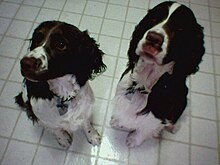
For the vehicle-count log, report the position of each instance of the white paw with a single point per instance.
(134, 139)
(64, 139)
(172, 128)
(169, 67)
(114, 123)
(94, 138)
(157, 133)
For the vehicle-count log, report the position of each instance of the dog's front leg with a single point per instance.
(92, 135)
(63, 138)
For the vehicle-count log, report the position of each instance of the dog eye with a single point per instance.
(61, 45)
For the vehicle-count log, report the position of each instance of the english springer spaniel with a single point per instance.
(166, 47)
(56, 91)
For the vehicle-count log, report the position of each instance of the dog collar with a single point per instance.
(132, 89)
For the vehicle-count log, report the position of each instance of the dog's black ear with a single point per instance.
(93, 56)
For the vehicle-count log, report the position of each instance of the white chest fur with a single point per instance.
(78, 108)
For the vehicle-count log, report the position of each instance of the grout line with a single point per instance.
(10, 138)
(215, 85)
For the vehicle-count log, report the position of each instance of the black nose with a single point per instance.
(30, 63)
(154, 38)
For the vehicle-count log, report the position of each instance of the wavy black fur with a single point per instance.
(168, 97)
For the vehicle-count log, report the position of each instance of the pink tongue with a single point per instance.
(150, 50)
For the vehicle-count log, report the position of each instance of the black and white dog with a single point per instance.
(166, 47)
(56, 91)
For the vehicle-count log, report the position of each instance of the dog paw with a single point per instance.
(133, 139)
(64, 139)
(94, 138)
(114, 123)
(169, 67)
(172, 128)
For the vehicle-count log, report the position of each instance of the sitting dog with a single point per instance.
(166, 47)
(56, 91)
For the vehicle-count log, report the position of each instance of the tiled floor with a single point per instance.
(111, 22)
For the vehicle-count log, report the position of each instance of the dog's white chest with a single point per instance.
(75, 112)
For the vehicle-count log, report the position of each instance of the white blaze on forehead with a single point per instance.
(39, 53)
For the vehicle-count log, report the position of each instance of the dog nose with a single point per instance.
(154, 39)
(30, 63)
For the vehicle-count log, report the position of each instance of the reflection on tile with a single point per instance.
(113, 145)
(79, 159)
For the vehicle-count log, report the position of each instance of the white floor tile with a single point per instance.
(99, 111)
(92, 24)
(19, 29)
(70, 18)
(121, 2)
(79, 159)
(113, 145)
(19, 153)
(203, 83)
(216, 47)
(200, 11)
(8, 9)
(95, 8)
(54, 4)
(4, 23)
(173, 153)
(116, 12)
(146, 153)
(81, 145)
(10, 47)
(203, 106)
(217, 66)
(25, 130)
(108, 162)
(215, 29)
(5, 66)
(49, 156)
(109, 45)
(207, 64)
(75, 6)
(47, 14)
(139, 3)
(109, 28)
(135, 15)
(203, 156)
(110, 61)
(27, 13)
(3, 144)
(101, 86)
(10, 91)
(204, 133)
(34, 2)
(8, 119)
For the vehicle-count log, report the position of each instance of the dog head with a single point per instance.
(57, 49)
(169, 32)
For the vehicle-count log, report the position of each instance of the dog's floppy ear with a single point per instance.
(92, 56)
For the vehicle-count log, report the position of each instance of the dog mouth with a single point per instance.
(35, 76)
